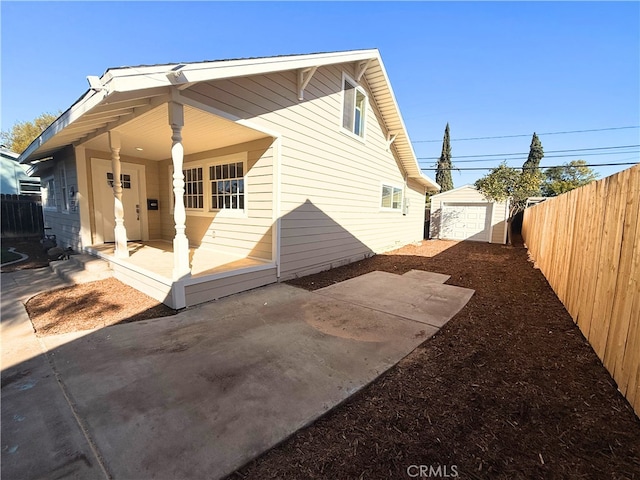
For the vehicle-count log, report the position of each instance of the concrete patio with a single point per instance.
(199, 394)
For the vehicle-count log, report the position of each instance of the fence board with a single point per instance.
(21, 216)
(586, 244)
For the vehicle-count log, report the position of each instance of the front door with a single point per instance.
(102, 175)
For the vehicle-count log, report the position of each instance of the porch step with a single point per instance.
(81, 268)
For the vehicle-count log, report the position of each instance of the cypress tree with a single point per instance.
(443, 169)
(531, 166)
(535, 155)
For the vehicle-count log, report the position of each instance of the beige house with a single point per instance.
(464, 214)
(201, 180)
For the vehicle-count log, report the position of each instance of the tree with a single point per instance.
(562, 179)
(23, 133)
(507, 183)
(444, 165)
(532, 164)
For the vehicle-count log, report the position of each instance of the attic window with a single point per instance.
(354, 107)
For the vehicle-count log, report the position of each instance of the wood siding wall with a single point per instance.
(330, 181)
(65, 224)
(248, 235)
(586, 243)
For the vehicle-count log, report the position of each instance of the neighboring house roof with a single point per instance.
(14, 178)
(8, 154)
(91, 113)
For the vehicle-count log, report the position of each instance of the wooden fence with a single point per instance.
(586, 243)
(21, 216)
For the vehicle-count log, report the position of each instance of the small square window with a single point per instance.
(391, 197)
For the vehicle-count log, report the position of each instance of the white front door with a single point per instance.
(466, 221)
(131, 178)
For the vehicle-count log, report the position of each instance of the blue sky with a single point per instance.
(490, 69)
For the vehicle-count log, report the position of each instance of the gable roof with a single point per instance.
(455, 190)
(72, 126)
(459, 190)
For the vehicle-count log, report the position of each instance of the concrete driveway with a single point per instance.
(199, 394)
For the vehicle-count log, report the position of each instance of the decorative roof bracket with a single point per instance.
(177, 78)
(304, 77)
(361, 67)
(390, 139)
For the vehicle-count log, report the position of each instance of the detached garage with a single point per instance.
(464, 214)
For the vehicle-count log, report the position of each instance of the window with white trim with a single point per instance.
(227, 186)
(391, 198)
(49, 193)
(216, 185)
(64, 191)
(353, 107)
(193, 188)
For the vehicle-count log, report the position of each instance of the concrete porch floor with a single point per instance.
(157, 257)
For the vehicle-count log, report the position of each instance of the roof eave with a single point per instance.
(89, 100)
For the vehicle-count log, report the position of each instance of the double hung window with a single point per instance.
(353, 107)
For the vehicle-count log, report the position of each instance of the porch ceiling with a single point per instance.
(149, 134)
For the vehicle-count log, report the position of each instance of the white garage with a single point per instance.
(464, 214)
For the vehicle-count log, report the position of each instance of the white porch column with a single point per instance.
(120, 231)
(180, 241)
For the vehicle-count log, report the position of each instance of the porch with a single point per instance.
(157, 257)
(214, 274)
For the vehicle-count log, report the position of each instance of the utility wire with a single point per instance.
(529, 134)
(527, 153)
(534, 168)
(546, 156)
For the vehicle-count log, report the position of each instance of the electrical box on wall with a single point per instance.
(152, 204)
(405, 208)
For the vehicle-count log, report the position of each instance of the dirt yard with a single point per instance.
(508, 389)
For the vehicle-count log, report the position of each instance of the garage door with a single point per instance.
(466, 221)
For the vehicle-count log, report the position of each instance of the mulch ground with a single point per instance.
(508, 388)
(91, 305)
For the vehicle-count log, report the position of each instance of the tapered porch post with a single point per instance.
(120, 231)
(180, 241)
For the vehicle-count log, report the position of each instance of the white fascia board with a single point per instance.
(134, 78)
(428, 182)
(76, 111)
(412, 161)
(453, 190)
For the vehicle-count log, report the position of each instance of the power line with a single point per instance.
(533, 168)
(527, 153)
(529, 134)
(546, 156)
